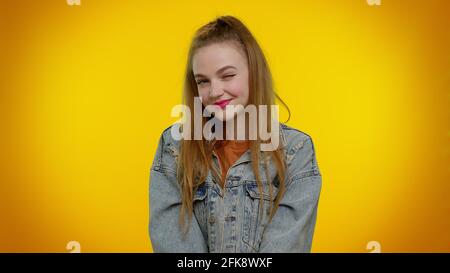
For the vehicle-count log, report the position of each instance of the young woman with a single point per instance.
(228, 194)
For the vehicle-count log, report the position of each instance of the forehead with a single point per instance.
(207, 60)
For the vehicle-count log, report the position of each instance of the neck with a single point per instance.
(231, 132)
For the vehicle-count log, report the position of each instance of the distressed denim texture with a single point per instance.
(228, 219)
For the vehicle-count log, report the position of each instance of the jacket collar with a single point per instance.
(246, 157)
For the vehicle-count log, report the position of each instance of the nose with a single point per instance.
(216, 89)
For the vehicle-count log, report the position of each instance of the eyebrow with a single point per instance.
(217, 72)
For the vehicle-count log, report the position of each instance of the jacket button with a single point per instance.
(212, 220)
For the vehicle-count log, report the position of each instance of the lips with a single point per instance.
(222, 103)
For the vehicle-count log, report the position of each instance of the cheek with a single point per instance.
(239, 88)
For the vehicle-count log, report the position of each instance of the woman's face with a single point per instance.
(221, 73)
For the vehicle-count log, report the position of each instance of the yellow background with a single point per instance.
(85, 92)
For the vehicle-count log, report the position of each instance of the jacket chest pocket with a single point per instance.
(256, 212)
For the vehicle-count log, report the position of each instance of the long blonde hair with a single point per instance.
(194, 161)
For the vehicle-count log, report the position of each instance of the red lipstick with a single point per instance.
(222, 103)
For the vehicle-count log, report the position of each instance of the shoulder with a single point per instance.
(293, 138)
(168, 138)
(168, 133)
(167, 151)
(299, 151)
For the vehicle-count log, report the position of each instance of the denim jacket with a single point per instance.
(228, 219)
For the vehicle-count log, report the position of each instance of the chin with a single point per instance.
(221, 117)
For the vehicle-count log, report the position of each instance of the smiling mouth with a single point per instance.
(222, 103)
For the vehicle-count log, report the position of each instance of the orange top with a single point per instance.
(229, 151)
